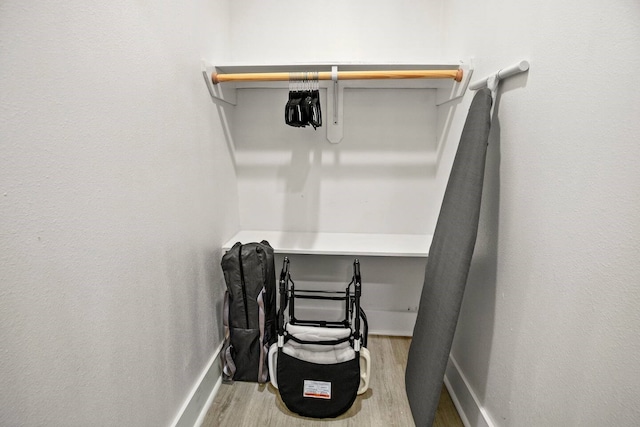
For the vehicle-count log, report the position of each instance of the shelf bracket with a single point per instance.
(458, 89)
(216, 91)
(335, 94)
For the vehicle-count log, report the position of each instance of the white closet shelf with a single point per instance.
(447, 89)
(354, 244)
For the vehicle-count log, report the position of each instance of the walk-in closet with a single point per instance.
(448, 191)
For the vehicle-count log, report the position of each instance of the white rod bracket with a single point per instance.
(215, 92)
(334, 79)
(457, 91)
(334, 99)
(502, 74)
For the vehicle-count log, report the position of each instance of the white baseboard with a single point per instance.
(201, 397)
(465, 400)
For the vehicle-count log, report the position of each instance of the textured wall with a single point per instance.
(290, 31)
(116, 192)
(548, 335)
(378, 179)
(381, 177)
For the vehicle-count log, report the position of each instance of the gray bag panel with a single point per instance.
(448, 265)
(259, 272)
(245, 344)
(248, 271)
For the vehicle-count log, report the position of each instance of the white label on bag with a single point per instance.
(317, 389)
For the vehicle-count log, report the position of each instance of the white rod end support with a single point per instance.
(520, 67)
(334, 96)
(216, 93)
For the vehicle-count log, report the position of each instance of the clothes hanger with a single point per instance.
(303, 107)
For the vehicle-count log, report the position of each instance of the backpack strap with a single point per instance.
(229, 367)
(263, 369)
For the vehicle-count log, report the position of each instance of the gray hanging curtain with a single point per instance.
(448, 265)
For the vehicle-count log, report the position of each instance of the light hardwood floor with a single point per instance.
(384, 404)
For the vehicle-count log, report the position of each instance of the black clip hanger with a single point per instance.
(303, 106)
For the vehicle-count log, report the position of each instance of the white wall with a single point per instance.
(548, 334)
(295, 31)
(116, 193)
(381, 178)
(378, 179)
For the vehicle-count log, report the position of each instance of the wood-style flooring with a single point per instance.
(244, 404)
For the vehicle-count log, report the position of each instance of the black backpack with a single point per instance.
(249, 311)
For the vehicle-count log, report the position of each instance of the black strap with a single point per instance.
(244, 287)
(326, 342)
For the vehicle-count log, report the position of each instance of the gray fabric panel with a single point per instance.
(448, 265)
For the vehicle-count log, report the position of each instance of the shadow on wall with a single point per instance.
(367, 183)
(302, 187)
(473, 347)
(478, 308)
(481, 291)
(444, 128)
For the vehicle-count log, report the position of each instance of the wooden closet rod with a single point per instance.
(342, 75)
